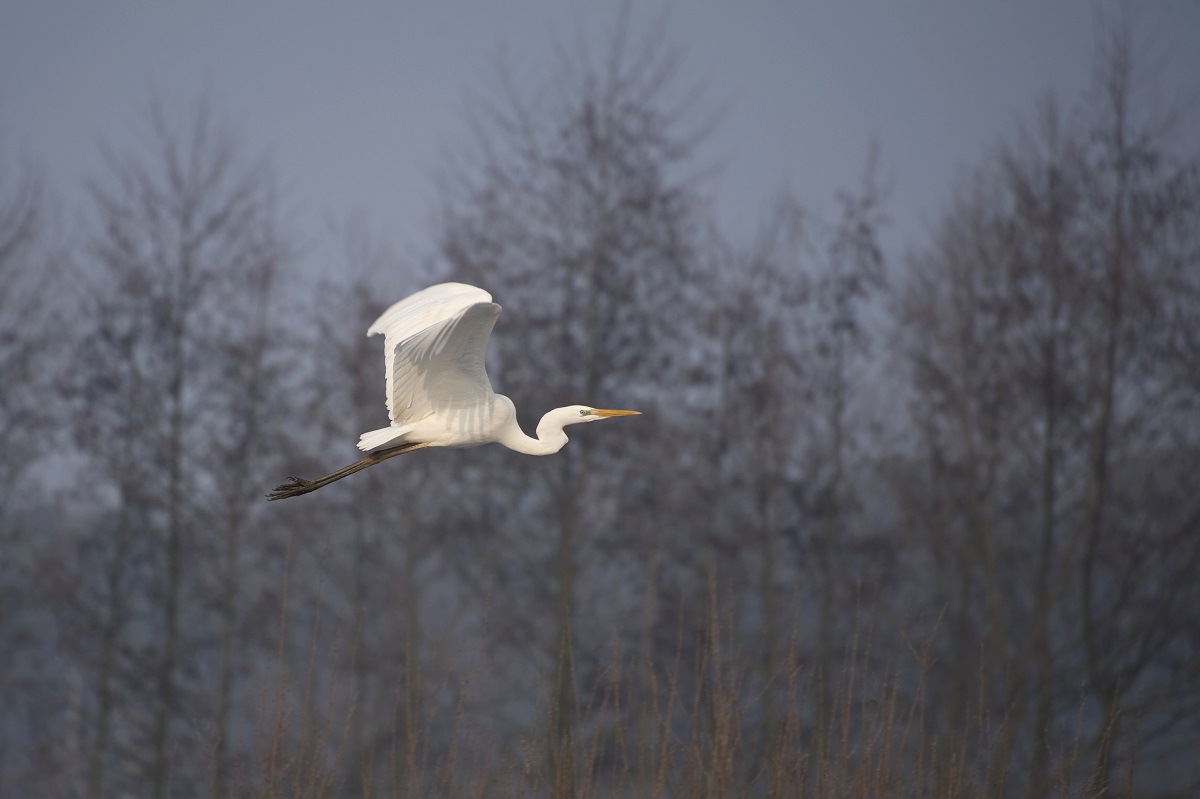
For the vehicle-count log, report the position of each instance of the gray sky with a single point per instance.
(356, 101)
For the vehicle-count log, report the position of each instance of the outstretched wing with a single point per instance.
(410, 323)
(442, 369)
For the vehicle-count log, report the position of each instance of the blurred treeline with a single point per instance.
(928, 526)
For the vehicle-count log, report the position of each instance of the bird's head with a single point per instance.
(574, 414)
(551, 437)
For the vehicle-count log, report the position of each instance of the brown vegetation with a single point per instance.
(919, 529)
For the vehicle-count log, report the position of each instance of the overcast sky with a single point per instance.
(355, 101)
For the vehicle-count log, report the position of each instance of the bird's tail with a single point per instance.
(378, 438)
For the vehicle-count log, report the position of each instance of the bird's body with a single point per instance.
(438, 392)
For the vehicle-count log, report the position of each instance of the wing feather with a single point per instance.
(414, 316)
(441, 368)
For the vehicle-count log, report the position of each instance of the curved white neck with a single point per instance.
(550, 436)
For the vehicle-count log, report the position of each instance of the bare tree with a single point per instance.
(30, 358)
(794, 329)
(1145, 291)
(1034, 327)
(24, 273)
(172, 372)
(392, 524)
(577, 217)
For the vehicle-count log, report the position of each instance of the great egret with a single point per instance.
(438, 393)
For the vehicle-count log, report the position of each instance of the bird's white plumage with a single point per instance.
(414, 316)
(438, 392)
(441, 371)
(437, 387)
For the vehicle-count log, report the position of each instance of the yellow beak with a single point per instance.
(604, 412)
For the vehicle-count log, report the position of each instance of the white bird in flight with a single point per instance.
(438, 392)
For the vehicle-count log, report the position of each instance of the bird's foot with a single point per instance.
(294, 487)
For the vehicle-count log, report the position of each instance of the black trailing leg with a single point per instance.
(295, 486)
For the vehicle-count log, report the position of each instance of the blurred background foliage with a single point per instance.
(926, 526)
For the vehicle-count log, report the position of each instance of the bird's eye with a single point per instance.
(583, 412)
